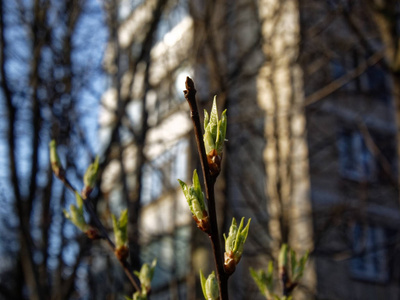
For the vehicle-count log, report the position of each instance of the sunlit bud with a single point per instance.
(209, 286)
(89, 179)
(234, 244)
(121, 237)
(76, 215)
(55, 161)
(146, 275)
(195, 198)
(214, 137)
(283, 259)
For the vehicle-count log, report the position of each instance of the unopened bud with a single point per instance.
(209, 286)
(283, 258)
(146, 275)
(76, 214)
(195, 198)
(55, 161)
(234, 245)
(121, 229)
(89, 179)
(214, 137)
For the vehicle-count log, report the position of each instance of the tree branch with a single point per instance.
(341, 81)
(104, 235)
(209, 182)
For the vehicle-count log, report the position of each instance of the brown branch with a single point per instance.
(341, 81)
(104, 235)
(209, 182)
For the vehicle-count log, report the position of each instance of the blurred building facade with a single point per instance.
(352, 144)
(311, 167)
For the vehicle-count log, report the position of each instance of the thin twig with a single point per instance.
(346, 78)
(209, 182)
(104, 235)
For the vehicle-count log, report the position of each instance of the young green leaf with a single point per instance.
(283, 257)
(270, 277)
(293, 260)
(260, 279)
(203, 284)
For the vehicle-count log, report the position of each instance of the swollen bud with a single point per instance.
(76, 215)
(214, 137)
(209, 286)
(283, 259)
(146, 275)
(234, 244)
(55, 161)
(89, 179)
(121, 236)
(195, 198)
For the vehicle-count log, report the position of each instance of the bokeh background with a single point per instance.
(312, 92)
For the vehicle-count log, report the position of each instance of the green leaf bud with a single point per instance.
(234, 244)
(120, 228)
(260, 279)
(146, 276)
(264, 280)
(89, 179)
(214, 137)
(209, 286)
(283, 258)
(55, 161)
(76, 214)
(195, 199)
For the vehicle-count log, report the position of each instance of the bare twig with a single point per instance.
(341, 81)
(104, 235)
(209, 182)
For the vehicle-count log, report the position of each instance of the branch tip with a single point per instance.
(189, 83)
(190, 91)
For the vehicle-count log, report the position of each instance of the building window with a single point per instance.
(374, 82)
(369, 261)
(356, 162)
(160, 175)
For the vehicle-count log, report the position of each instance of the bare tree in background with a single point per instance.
(277, 71)
(43, 85)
